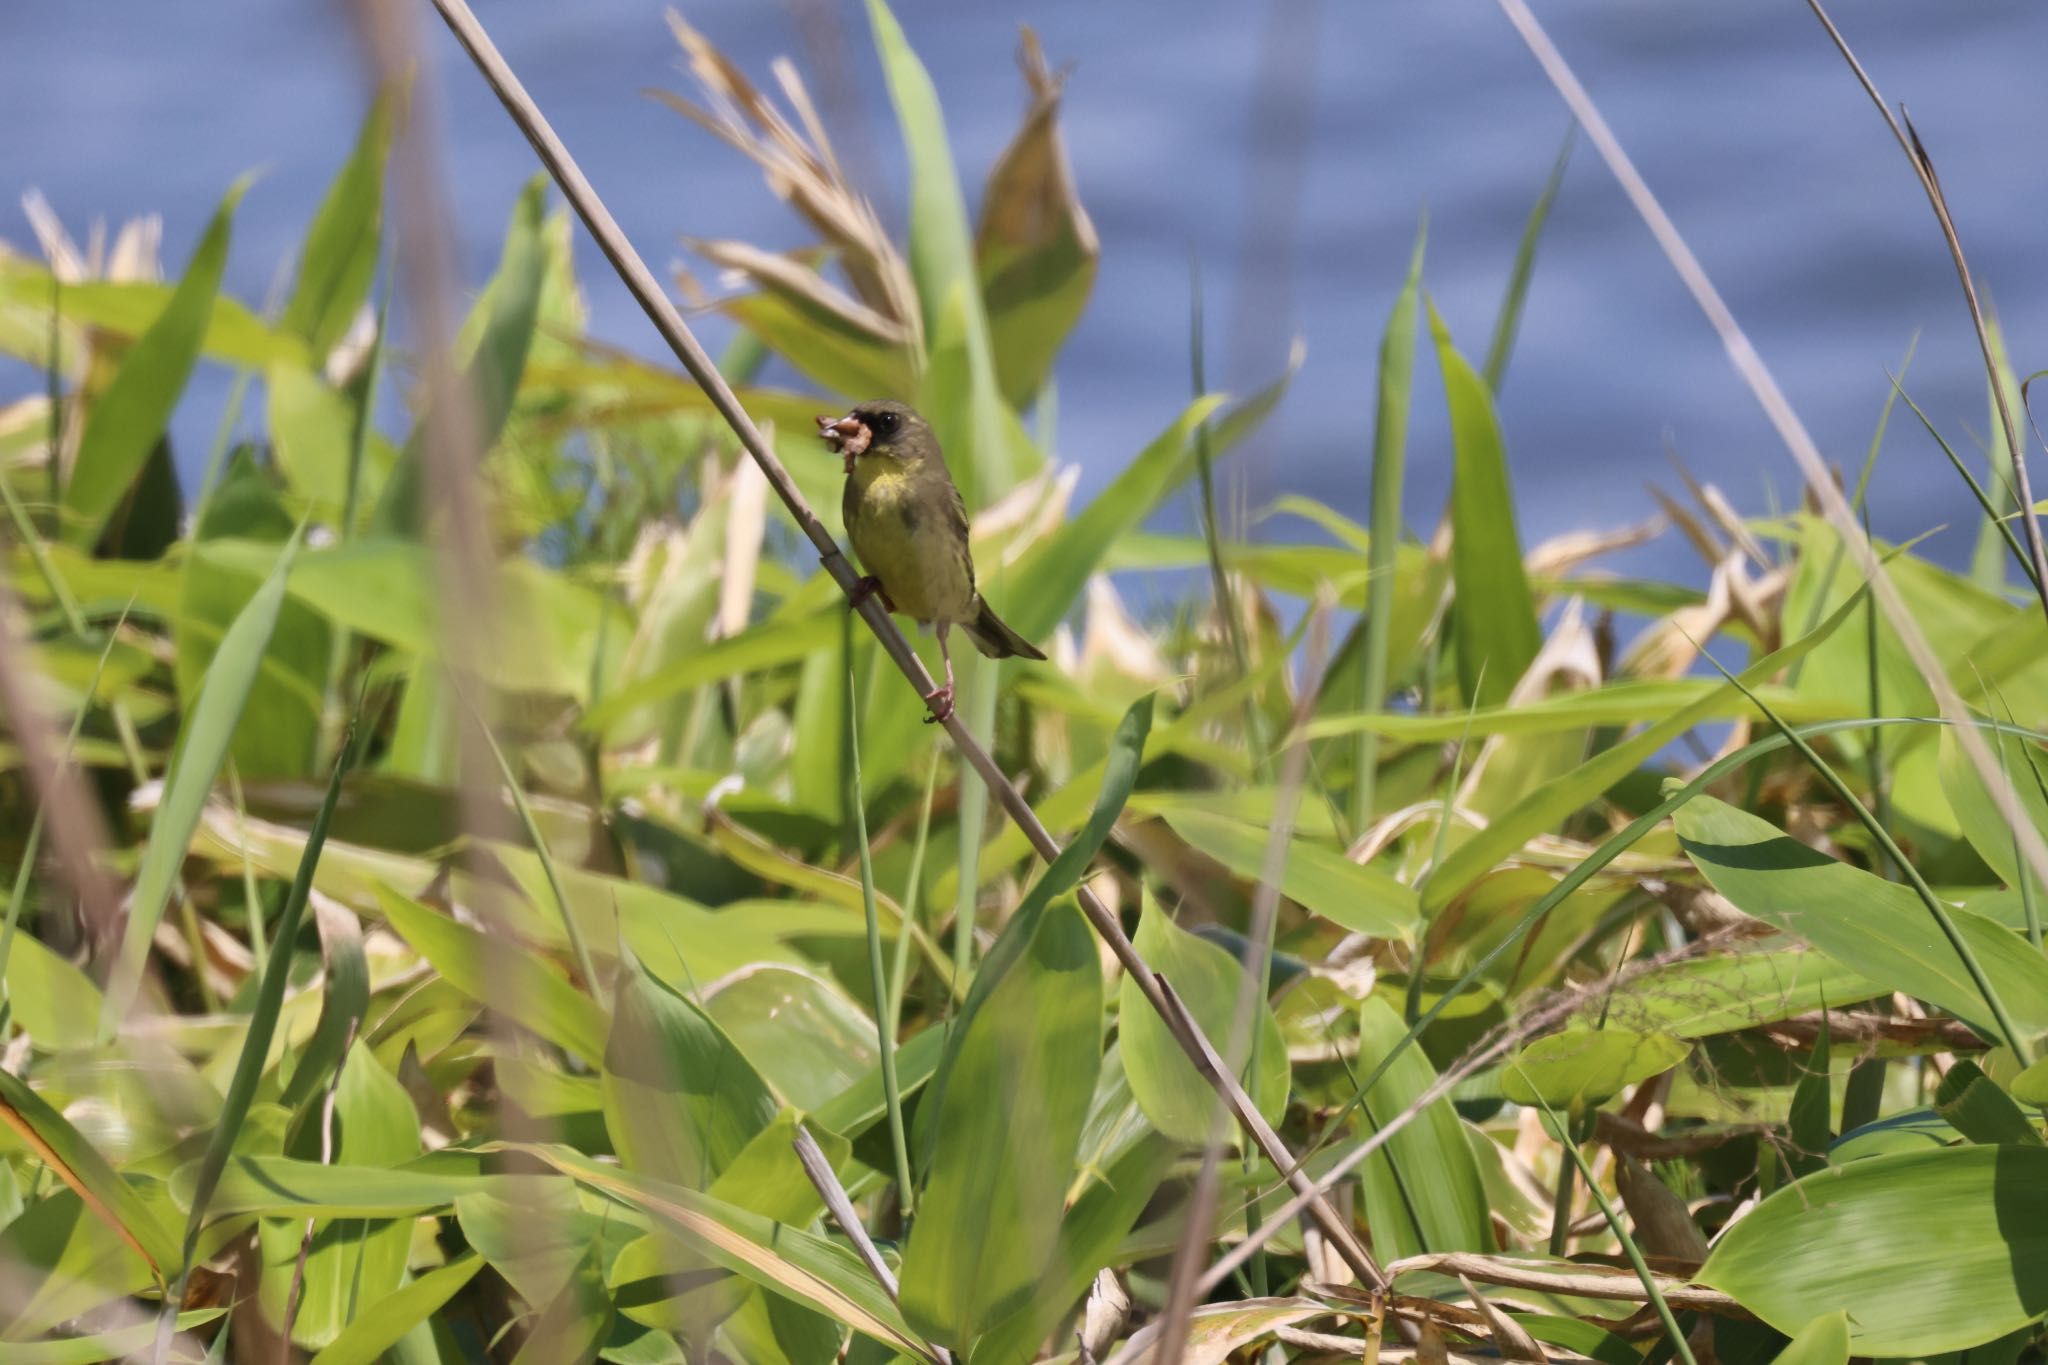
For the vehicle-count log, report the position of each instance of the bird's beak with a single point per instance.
(846, 435)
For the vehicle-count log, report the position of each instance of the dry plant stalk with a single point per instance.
(640, 281)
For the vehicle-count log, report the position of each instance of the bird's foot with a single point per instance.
(870, 586)
(941, 702)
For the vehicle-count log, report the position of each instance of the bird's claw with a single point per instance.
(941, 702)
(870, 586)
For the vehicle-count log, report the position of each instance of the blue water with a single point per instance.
(1766, 153)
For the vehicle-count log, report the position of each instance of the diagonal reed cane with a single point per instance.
(640, 282)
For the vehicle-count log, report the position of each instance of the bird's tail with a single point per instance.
(995, 639)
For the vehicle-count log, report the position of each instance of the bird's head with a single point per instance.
(883, 428)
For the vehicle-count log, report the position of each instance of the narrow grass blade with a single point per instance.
(202, 747)
(1389, 461)
(1619, 1227)
(857, 831)
(262, 1026)
(1510, 319)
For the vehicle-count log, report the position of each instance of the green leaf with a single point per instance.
(2031, 1085)
(1729, 992)
(121, 1343)
(339, 258)
(1172, 1094)
(1091, 1238)
(1551, 804)
(1974, 1106)
(1320, 879)
(1494, 615)
(1422, 1189)
(1006, 1134)
(1389, 463)
(203, 743)
(1876, 927)
(350, 1261)
(364, 1341)
(680, 1101)
(283, 1187)
(1982, 822)
(127, 420)
(495, 970)
(312, 435)
(503, 326)
(802, 1033)
(1580, 1068)
(79, 1164)
(1974, 1217)
(1120, 771)
(788, 1261)
(1509, 320)
(1824, 1341)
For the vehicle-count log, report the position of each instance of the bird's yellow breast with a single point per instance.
(900, 530)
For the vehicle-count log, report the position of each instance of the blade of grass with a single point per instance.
(256, 1040)
(1629, 1248)
(1991, 513)
(1389, 461)
(913, 901)
(857, 833)
(1510, 319)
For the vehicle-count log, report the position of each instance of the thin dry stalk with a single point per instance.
(1750, 365)
(1923, 167)
(77, 833)
(646, 291)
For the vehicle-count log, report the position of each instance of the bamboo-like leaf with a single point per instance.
(1877, 927)
(340, 255)
(1389, 464)
(202, 746)
(1494, 613)
(129, 418)
(1208, 980)
(365, 1340)
(1975, 1216)
(1422, 1190)
(1005, 1136)
(492, 969)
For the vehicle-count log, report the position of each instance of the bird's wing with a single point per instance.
(956, 523)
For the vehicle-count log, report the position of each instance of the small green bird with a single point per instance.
(908, 524)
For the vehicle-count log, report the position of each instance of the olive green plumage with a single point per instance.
(908, 525)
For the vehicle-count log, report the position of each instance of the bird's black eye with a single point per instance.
(883, 424)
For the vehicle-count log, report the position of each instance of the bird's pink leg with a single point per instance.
(941, 701)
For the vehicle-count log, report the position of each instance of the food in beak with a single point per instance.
(848, 435)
